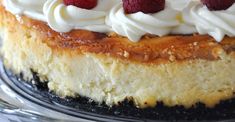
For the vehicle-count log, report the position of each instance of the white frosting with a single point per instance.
(134, 26)
(215, 23)
(31, 8)
(179, 5)
(64, 18)
(178, 17)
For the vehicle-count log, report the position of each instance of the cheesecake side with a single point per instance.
(176, 70)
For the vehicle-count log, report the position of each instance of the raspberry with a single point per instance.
(218, 4)
(85, 4)
(145, 6)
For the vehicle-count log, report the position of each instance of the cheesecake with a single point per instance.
(182, 60)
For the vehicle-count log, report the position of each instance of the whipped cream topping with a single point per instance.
(178, 5)
(31, 8)
(178, 17)
(217, 24)
(134, 26)
(64, 18)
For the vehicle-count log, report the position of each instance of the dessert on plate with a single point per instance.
(176, 52)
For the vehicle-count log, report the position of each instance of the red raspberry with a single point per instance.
(145, 6)
(218, 4)
(86, 4)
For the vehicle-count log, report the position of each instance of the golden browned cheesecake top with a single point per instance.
(149, 49)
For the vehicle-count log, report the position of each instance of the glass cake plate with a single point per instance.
(21, 101)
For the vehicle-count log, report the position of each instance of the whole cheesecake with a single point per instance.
(176, 69)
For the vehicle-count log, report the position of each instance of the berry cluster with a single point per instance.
(149, 6)
(130, 6)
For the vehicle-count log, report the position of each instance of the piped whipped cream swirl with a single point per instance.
(134, 26)
(30, 8)
(64, 18)
(217, 24)
(178, 17)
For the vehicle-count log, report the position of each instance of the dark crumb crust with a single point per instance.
(126, 109)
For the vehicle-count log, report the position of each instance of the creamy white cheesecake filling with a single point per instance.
(111, 80)
(179, 17)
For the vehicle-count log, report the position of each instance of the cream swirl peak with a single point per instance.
(178, 17)
(215, 23)
(134, 26)
(64, 18)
